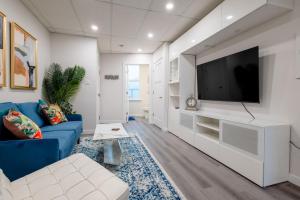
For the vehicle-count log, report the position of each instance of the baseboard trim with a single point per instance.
(111, 121)
(294, 179)
(88, 132)
(165, 129)
(136, 115)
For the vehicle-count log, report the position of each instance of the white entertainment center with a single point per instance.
(257, 149)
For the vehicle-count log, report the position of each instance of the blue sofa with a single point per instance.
(21, 157)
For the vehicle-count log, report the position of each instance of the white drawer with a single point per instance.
(246, 165)
(207, 145)
(187, 135)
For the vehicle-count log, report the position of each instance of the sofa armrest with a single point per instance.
(74, 117)
(21, 157)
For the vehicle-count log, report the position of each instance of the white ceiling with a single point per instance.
(125, 22)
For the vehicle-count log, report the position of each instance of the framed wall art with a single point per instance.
(23, 69)
(2, 50)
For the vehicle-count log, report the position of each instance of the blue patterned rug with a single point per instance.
(145, 178)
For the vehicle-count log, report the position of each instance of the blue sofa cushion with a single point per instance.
(75, 126)
(4, 108)
(30, 109)
(66, 141)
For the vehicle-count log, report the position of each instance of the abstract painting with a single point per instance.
(2, 50)
(23, 73)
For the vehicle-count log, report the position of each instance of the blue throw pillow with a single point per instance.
(31, 110)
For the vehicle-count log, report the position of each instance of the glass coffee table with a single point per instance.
(110, 135)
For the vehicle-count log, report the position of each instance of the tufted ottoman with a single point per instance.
(75, 177)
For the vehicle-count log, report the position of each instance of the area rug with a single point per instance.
(146, 179)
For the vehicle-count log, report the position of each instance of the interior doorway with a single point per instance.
(137, 87)
(158, 112)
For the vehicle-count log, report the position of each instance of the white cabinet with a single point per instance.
(260, 153)
(242, 163)
(258, 150)
(207, 27)
(226, 21)
(173, 121)
(204, 29)
(207, 145)
(242, 149)
(243, 137)
(186, 127)
(234, 10)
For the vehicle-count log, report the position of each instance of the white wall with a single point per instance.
(17, 12)
(112, 101)
(69, 51)
(136, 107)
(280, 94)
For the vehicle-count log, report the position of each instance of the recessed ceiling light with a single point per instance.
(229, 17)
(139, 50)
(169, 6)
(94, 27)
(193, 41)
(150, 35)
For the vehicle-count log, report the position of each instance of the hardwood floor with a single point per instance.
(200, 177)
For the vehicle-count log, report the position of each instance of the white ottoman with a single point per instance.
(76, 177)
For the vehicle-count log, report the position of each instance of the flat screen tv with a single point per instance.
(232, 78)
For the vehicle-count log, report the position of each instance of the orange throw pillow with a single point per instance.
(52, 113)
(21, 126)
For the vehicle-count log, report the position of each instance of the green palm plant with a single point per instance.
(59, 85)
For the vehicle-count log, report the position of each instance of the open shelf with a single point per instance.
(174, 71)
(213, 135)
(208, 127)
(174, 101)
(174, 85)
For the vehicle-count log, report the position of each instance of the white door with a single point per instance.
(125, 95)
(158, 93)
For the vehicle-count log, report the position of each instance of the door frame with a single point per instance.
(125, 93)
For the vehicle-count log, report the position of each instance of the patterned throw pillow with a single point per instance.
(21, 126)
(52, 113)
(5, 187)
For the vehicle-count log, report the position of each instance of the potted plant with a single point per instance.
(59, 85)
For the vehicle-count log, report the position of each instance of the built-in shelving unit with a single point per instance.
(181, 86)
(252, 148)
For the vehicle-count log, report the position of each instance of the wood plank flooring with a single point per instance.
(198, 176)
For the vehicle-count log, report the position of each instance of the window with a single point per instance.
(134, 82)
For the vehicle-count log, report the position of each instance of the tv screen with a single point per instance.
(231, 78)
